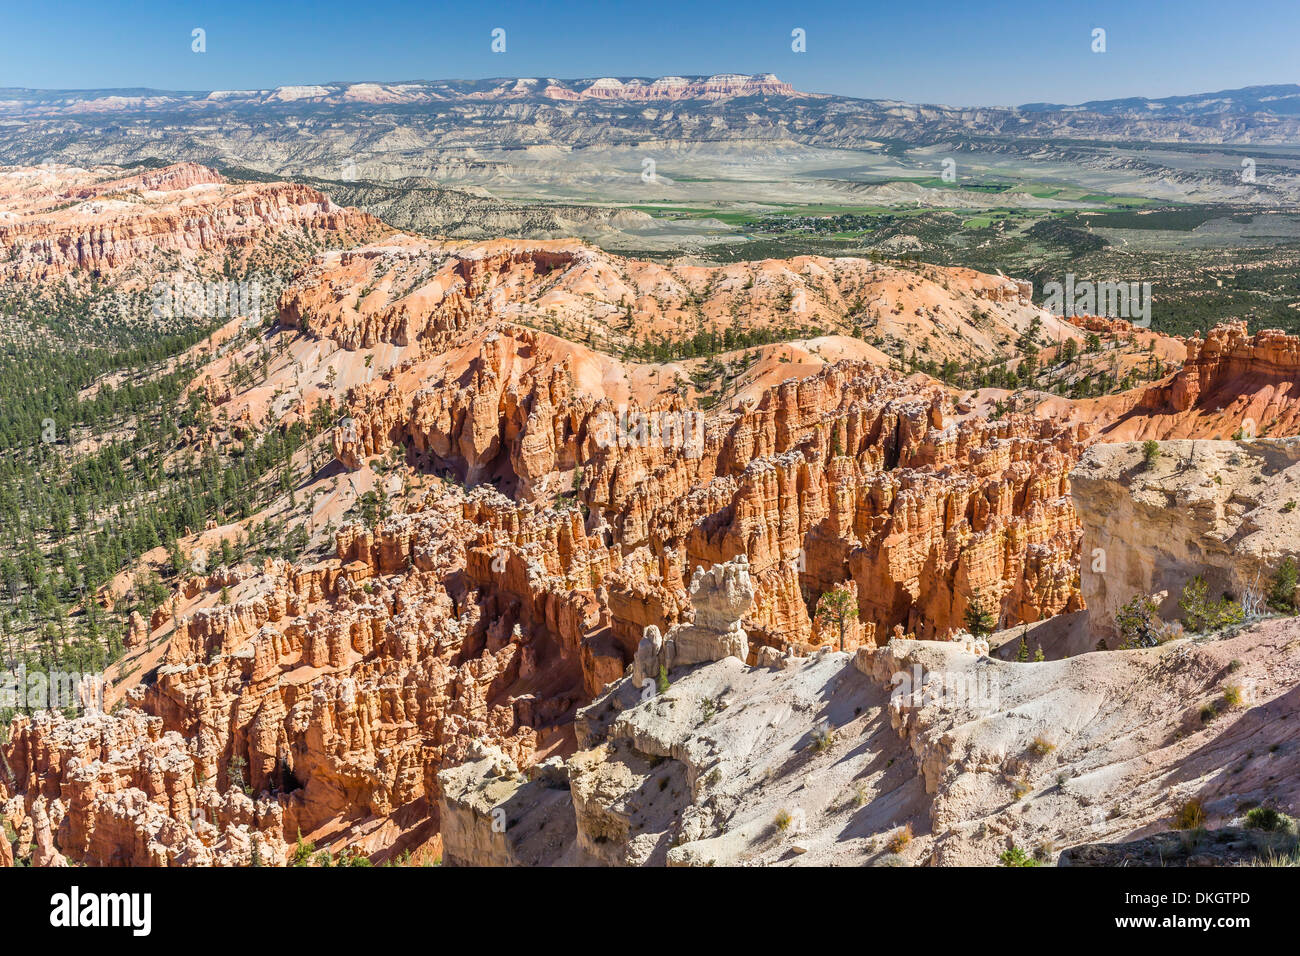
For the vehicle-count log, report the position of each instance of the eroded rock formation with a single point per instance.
(577, 502)
(582, 520)
(57, 220)
(720, 597)
(1233, 385)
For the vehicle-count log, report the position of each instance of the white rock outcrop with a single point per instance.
(1225, 510)
(721, 596)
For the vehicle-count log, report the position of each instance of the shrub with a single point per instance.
(782, 820)
(1281, 596)
(1201, 613)
(901, 839)
(1150, 452)
(1266, 818)
(661, 682)
(1042, 746)
(1232, 695)
(302, 851)
(1016, 857)
(1273, 858)
(1140, 625)
(1190, 815)
(823, 738)
(353, 857)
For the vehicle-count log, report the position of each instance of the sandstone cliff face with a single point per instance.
(1230, 352)
(1232, 385)
(57, 220)
(719, 87)
(1122, 328)
(720, 597)
(122, 791)
(335, 692)
(854, 473)
(851, 474)
(1220, 509)
(341, 689)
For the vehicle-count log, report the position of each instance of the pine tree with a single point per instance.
(979, 621)
(838, 606)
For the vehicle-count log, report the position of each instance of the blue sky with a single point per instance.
(972, 53)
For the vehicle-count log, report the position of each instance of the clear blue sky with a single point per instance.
(972, 53)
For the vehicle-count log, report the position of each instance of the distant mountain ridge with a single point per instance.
(1279, 99)
(722, 86)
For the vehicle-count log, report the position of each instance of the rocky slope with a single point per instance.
(918, 752)
(618, 305)
(1233, 384)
